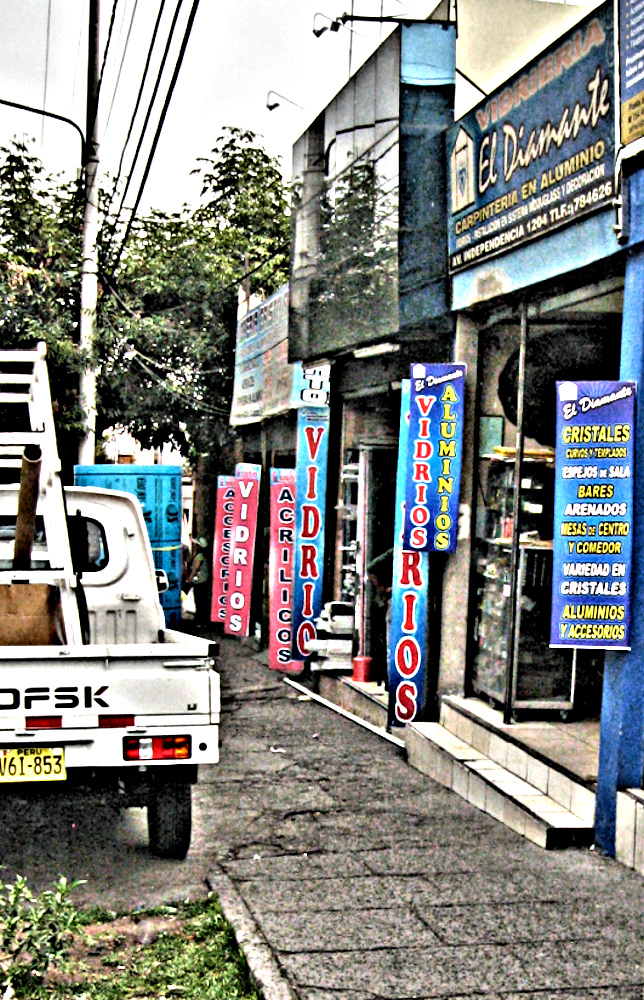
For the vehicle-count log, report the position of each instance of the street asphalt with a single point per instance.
(347, 875)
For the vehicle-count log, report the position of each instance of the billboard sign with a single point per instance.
(538, 153)
(593, 523)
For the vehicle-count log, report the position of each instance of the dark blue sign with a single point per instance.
(631, 69)
(593, 525)
(538, 153)
(434, 453)
(407, 648)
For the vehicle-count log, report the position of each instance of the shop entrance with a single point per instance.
(368, 503)
(511, 663)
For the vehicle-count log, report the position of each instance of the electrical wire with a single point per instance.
(78, 53)
(145, 123)
(115, 4)
(44, 96)
(133, 354)
(196, 405)
(155, 142)
(118, 76)
(136, 106)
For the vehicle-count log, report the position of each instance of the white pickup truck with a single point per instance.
(94, 690)
(134, 706)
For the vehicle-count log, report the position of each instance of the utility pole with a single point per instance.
(89, 269)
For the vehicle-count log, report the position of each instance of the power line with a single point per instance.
(118, 76)
(164, 111)
(115, 4)
(44, 95)
(147, 119)
(136, 107)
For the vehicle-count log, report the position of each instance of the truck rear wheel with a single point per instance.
(170, 819)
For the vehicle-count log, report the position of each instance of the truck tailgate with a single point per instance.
(116, 680)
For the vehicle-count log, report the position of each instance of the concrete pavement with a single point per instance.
(349, 876)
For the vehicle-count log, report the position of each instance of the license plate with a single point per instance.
(32, 764)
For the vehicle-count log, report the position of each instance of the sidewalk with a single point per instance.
(349, 876)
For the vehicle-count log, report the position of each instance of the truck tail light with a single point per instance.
(157, 748)
(44, 722)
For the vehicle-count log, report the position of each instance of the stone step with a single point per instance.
(483, 732)
(532, 810)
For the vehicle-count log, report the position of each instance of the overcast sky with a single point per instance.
(238, 51)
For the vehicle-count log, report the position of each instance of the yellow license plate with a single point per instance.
(32, 764)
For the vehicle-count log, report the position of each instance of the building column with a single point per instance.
(455, 602)
(621, 748)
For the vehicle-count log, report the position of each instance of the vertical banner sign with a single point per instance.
(221, 547)
(240, 581)
(280, 569)
(434, 453)
(310, 493)
(407, 650)
(593, 524)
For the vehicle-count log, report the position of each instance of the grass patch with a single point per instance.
(182, 952)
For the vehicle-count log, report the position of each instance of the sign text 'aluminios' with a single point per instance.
(538, 153)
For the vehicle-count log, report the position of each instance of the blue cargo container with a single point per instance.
(158, 489)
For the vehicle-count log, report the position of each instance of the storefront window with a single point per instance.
(522, 664)
(543, 676)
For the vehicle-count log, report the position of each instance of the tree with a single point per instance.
(40, 248)
(168, 329)
(167, 302)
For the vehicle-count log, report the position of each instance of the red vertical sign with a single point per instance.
(240, 580)
(280, 570)
(221, 547)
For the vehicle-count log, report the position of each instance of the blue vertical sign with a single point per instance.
(593, 524)
(310, 499)
(407, 650)
(434, 454)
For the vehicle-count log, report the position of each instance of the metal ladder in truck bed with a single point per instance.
(26, 418)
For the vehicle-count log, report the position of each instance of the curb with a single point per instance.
(261, 960)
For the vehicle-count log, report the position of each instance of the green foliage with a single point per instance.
(168, 328)
(196, 957)
(35, 931)
(40, 248)
(167, 308)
